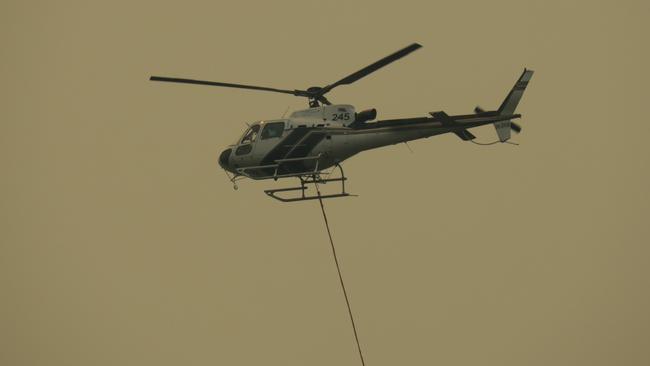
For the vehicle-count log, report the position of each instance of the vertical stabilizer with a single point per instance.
(510, 104)
(512, 100)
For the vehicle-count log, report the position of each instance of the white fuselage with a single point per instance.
(322, 131)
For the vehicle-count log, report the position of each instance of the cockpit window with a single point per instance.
(250, 135)
(273, 129)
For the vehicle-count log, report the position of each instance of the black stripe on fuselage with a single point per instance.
(285, 146)
(298, 144)
(304, 149)
(307, 145)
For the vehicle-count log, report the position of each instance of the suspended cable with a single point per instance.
(338, 268)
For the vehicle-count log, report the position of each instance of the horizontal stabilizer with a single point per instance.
(465, 135)
(443, 118)
(450, 122)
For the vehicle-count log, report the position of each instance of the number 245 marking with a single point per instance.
(343, 116)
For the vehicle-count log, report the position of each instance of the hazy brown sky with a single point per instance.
(122, 242)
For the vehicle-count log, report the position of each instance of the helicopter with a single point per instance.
(311, 141)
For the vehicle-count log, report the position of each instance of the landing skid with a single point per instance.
(279, 169)
(307, 179)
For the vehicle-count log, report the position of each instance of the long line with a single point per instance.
(338, 268)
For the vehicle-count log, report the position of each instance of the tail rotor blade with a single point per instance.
(515, 127)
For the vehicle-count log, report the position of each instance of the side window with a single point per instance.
(271, 130)
(250, 135)
(244, 149)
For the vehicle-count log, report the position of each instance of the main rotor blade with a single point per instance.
(228, 85)
(372, 68)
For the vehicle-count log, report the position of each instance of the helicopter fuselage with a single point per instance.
(327, 135)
